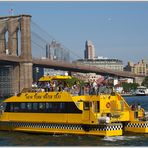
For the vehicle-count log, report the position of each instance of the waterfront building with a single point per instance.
(89, 52)
(138, 68)
(114, 64)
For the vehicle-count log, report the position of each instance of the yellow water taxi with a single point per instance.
(62, 111)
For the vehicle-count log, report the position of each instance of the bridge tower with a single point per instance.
(10, 29)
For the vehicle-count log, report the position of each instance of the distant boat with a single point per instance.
(141, 91)
(126, 94)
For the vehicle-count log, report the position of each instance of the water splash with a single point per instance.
(116, 138)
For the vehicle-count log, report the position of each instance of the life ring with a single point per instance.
(108, 105)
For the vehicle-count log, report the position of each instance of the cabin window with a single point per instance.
(48, 106)
(96, 106)
(62, 106)
(35, 107)
(42, 106)
(29, 106)
(86, 106)
(72, 108)
(56, 107)
(11, 107)
(23, 106)
(16, 107)
(7, 107)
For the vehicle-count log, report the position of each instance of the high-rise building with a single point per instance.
(57, 52)
(89, 52)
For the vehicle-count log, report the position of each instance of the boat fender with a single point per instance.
(104, 120)
(108, 105)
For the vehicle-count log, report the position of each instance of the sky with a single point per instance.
(117, 29)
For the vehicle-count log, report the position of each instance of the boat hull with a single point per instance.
(137, 127)
(141, 94)
(114, 129)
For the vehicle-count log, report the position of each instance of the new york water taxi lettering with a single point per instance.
(46, 96)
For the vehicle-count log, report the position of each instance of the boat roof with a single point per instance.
(58, 77)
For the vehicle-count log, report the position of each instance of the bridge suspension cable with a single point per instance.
(41, 38)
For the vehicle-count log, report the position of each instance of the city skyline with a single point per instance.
(117, 29)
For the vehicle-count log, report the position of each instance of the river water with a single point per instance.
(27, 139)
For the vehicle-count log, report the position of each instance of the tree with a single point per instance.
(73, 81)
(127, 87)
(145, 81)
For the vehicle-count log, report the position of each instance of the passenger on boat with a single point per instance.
(133, 107)
(53, 86)
(91, 89)
(136, 106)
(47, 86)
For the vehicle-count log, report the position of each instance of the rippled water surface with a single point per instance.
(26, 139)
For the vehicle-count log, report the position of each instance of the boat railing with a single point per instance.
(32, 89)
(74, 92)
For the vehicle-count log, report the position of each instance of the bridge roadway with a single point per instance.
(61, 65)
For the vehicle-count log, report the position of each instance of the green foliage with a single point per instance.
(127, 87)
(74, 81)
(145, 81)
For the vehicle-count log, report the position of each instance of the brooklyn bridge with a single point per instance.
(20, 52)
